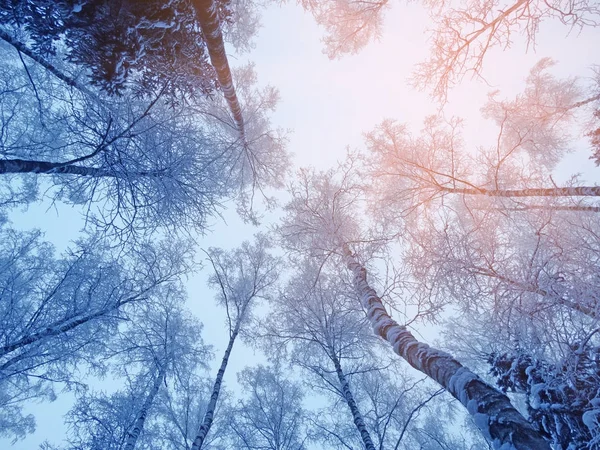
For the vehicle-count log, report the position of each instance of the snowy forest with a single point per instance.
(323, 224)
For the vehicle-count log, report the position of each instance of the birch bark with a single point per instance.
(208, 17)
(49, 167)
(138, 426)
(212, 404)
(58, 328)
(580, 191)
(359, 422)
(492, 411)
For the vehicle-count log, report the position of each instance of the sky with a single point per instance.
(327, 105)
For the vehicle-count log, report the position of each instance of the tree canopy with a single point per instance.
(436, 288)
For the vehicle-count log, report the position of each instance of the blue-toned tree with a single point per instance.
(243, 277)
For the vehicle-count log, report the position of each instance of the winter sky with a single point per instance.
(327, 105)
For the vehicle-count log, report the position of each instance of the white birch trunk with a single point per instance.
(208, 17)
(54, 168)
(555, 208)
(58, 328)
(138, 425)
(491, 410)
(356, 414)
(48, 167)
(212, 404)
(580, 191)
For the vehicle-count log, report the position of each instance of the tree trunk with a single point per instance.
(57, 328)
(52, 168)
(20, 47)
(492, 411)
(207, 14)
(48, 167)
(357, 416)
(210, 410)
(555, 208)
(580, 191)
(138, 425)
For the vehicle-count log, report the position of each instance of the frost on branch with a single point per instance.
(242, 277)
(133, 46)
(466, 30)
(317, 218)
(61, 314)
(135, 165)
(562, 399)
(258, 160)
(326, 335)
(270, 414)
(492, 410)
(349, 24)
(541, 119)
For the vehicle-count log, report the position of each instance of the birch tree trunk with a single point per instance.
(210, 410)
(57, 328)
(20, 47)
(580, 191)
(208, 17)
(492, 411)
(49, 167)
(138, 425)
(555, 208)
(356, 415)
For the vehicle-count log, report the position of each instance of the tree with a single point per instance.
(242, 276)
(138, 164)
(393, 403)
(523, 272)
(207, 13)
(495, 416)
(270, 415)
(181, 410)
(524, 278)
(465, 33)
(159, 345)
(534, 133)
(59, 313)
(349, 24)
(135, 45)
(315, 315)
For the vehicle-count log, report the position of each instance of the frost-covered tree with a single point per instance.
(465, 31)
(207, 14)
(134, 164)
(329, 214)
(270, 415)
(120, 45)
(530, 275)
(59, 313)
(394, 404)
(527, 280)
(243, 277)
(535, 130)
(181, 410)
(349, 24)
(156, 347)
(316, 318)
